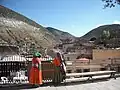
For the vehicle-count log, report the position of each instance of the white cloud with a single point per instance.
(116, 22)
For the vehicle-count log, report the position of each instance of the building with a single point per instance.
(77, 62)
(102, 59)
(107, 58)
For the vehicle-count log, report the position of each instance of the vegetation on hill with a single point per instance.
(108, 35)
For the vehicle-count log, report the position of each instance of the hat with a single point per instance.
(37, 54)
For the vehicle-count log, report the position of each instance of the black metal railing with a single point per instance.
(13, 69)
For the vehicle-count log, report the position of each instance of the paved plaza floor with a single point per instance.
(108, 84)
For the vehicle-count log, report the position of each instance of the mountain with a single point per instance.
(60, 34)
(16, 28)
(98, 34)
(19, 30)
(113, 29)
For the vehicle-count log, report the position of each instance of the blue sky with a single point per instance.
(74, 16)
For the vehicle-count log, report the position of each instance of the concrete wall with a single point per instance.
(103, 54)
(105, 57)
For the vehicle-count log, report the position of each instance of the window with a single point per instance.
(69, 71)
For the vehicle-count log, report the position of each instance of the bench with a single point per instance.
(97, 74)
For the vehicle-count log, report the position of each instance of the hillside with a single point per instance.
(113, 28)
(60, 34)
(16, 29)
(114, 37)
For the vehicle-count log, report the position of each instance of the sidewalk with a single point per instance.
(66, 86)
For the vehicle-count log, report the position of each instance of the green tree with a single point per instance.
(111, 3)
(105, 36)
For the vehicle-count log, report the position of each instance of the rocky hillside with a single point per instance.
(16, 28)
(19, 30)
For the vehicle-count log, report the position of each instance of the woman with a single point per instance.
(59, 69)
(36, 72)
